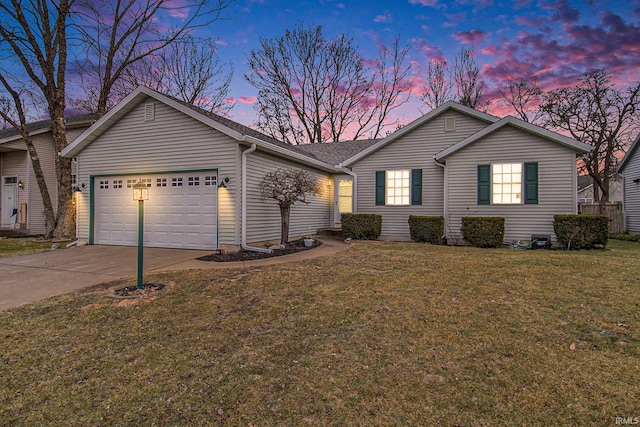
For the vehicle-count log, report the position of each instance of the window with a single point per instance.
(146, 181)
(176, 182)
(508, 184)
(74, 179)
(130, 183)
(397, 191)
(161, 182)
(104, 185)
(210, 180)
(399, 187)
(193, 181)
(117, 183)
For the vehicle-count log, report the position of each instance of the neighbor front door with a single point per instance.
(343, 197)
(9, 201)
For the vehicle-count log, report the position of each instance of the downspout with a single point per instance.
(243, 205)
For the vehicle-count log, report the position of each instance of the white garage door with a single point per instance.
(180, 212)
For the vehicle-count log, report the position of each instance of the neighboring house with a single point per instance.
(585, 189)
(629, 168)
(446, 163)
(22, 205)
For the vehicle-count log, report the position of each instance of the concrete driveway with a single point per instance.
(29, 278)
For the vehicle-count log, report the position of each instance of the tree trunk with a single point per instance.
(50, 219)
(65, 214)
(284, 230)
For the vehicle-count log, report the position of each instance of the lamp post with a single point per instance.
(140, 193)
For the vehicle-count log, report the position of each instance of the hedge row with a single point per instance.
(428, 229)
(361, 226)
(581, 231)
(483, 231)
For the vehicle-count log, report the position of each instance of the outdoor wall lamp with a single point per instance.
(75, 189)
(224, 182)
(21, 185)
(637, 180)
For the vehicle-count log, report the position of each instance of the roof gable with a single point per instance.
(447, 106)
(629, 154)
(576, 146)
(236, 131)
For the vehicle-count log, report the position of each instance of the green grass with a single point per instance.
(382, 334)
(23, 246)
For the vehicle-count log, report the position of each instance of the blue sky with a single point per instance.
(552, 42)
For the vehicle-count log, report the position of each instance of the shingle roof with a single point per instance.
(45, 124)
(334, 153)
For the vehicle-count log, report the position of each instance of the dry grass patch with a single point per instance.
(24, 245)
(382, 334)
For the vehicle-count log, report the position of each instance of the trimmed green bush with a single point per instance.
(361, 226)
(426, 229)
(625, 236)
(483, 231)
(581, 231)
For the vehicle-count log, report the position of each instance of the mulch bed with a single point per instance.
(148, 290)
(291, 248)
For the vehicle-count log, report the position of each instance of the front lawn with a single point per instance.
(382, 334)
(24, 245)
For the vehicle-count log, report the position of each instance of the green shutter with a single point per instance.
(416, 186)
(380, 187)
(531, 183)
(484, 184)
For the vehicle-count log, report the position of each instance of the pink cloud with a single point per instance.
(245, 100)
(431, 3)
(221, 43)
(177, 9)
(230, 100)
(470, 37)
(385, 17)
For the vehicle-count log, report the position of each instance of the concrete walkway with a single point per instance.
(30, 278)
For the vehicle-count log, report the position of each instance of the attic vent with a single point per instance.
(449, 124)
(149, 112)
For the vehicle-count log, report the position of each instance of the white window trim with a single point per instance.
(386, 188)
(521, 193)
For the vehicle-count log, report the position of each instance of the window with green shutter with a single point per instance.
(416, 186)
(484, 184)
(531, 183)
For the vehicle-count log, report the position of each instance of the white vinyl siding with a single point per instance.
(556, 182)
(172, 142)
(632, 192)
(414, 150)
(263, 216)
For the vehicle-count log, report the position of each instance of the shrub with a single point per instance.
(581, 231)
(625, 236)
(361, 226)
(426, 229)
(483, 231)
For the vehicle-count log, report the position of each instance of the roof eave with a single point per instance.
(292, 155)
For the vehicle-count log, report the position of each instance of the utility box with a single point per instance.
(542, 241)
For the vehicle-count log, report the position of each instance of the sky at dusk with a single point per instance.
(552, 42)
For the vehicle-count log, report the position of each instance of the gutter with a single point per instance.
(243, 205)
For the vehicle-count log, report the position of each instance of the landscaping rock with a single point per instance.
(56, 246)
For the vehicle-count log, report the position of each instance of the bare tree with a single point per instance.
(34, 34)
(466, 76)
(188, 69)
(117, 34)
(524, 97)
(312, 89)
(438, 88)
(595, 112)
(287, 186)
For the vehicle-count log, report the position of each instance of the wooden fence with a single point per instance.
(613, 210)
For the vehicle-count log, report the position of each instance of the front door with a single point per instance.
(9, 201)
(343, 197)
